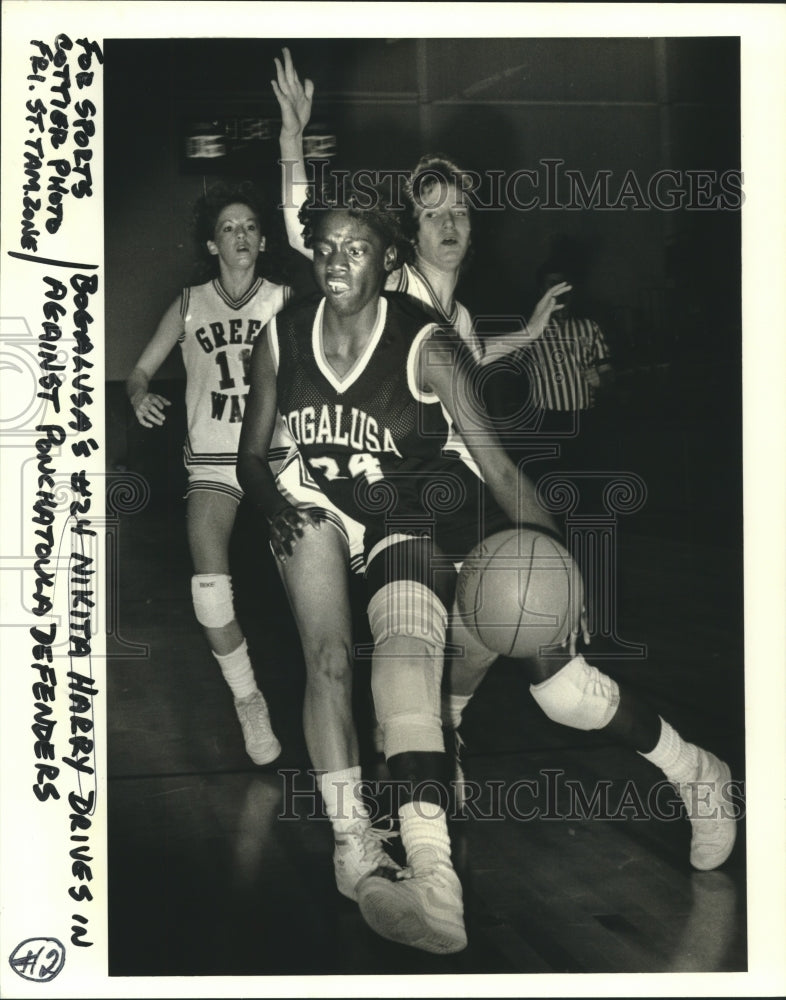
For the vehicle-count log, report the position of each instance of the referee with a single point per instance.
(571, 364)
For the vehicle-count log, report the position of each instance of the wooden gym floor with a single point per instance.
(214, 872)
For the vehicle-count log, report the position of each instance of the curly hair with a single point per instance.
(209, 207)
(368, 205)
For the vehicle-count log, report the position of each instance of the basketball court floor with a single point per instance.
(217, 869)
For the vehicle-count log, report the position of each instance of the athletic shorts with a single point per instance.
(298, 487)
(470, 515)
(216, 478)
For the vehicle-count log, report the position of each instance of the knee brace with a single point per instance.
(211, 594)
(578, 695)
(408, 624)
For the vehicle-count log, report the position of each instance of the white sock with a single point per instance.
(453, 706)
(424, 834)
(238, 672)
(677, 759)
(341, 794)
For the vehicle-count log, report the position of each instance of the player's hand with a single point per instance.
(293, 96)
(150, 409)
(544, 310)
(287, 527)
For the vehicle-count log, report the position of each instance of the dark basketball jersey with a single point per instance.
(372, 440)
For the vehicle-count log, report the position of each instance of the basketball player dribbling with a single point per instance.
(437, 225)
(372, 392)
(215, 325)
(439, 233)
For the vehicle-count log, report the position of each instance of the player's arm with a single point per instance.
(499, 347)
(150, 407)
(445, 368)
(294, 99)
(253, 471)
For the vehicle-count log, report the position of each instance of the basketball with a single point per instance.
(519, 591)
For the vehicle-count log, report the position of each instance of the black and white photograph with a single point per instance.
(393, 557)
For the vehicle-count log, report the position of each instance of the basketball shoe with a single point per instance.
(359, 853)
(261, 743)
(711, 814)
(423, 909)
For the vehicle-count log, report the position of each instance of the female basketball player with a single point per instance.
(439, 231)
(437, 224)
(438, 235)
(369, 389)
(216, 324)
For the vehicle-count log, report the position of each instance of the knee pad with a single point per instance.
(408, 623)
(211, 594)
(578, 695)
(407, 608)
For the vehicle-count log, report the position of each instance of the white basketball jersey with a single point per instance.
(219, 334)
(411, 282)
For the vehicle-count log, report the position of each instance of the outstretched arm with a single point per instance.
(294, 99)
(499, 347)
(150, 407)
(287, 523)
(446, 369)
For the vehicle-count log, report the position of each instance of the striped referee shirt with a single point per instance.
(564, 356)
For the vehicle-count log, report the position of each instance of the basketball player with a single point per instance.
(437, 224)
(437, 228)
(369, 389)
(319, 600)
(216, 324)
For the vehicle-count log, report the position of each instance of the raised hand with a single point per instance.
(294, 97)
(543, 311)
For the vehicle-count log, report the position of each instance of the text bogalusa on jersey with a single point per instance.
(355, 430)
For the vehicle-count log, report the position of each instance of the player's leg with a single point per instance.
(210, 519)
(575, 693)
(315, 578)
(468, 665)
(469, 660)
(407, 617)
